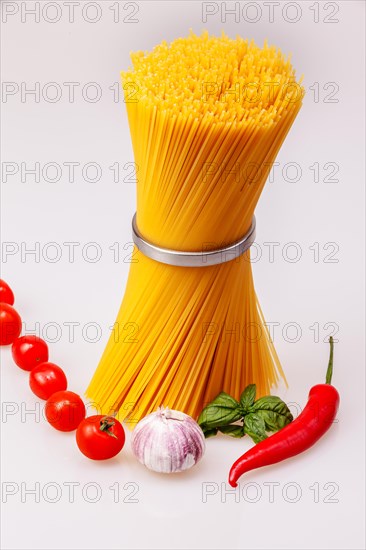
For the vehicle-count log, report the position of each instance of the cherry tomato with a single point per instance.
(46, 379)
(10, 324)
(6, 293)
(100, 437)
(65, 410)
(29, 351)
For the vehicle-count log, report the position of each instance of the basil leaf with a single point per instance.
(273, 411)
(224, 409)
(209, 432)
(255, 427)
(247, 398)
(273, 421)
(232, 429)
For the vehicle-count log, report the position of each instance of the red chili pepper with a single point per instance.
(302, 433)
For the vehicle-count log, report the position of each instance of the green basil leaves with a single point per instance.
(267, 414)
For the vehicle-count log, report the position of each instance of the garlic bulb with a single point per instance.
(168, 441)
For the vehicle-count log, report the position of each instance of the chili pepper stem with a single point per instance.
(328, 378)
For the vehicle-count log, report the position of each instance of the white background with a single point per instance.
(172, 512)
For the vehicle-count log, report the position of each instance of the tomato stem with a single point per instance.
(328, 378)
(105, 424)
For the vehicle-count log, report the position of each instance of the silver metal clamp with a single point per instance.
(193, 259)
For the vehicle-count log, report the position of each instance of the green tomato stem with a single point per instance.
(105, 424)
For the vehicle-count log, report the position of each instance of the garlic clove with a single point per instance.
(168, 441)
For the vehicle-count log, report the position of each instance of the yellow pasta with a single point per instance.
(207, 117)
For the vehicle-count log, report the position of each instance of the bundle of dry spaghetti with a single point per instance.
(207, 117)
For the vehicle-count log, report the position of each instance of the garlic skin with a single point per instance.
(168, 441)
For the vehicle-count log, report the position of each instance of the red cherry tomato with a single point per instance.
(100, 437)
(29, 351)
(46, 379)
(6, 293)
(65, 410)
(10, 324)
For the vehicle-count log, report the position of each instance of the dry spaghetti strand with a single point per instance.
(207, 116)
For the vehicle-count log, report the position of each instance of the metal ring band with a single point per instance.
(193, 259)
